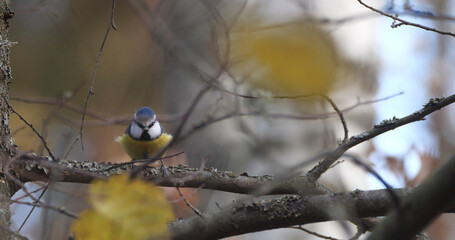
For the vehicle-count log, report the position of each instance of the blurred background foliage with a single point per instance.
(165, 52)
(59, 42)
(294, 59)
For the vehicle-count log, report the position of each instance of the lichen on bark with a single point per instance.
(5, 139)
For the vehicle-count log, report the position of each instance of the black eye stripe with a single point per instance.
(140, 125)
(148, 126)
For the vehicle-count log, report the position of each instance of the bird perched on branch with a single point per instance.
(145, 137)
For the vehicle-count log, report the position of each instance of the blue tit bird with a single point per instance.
(145, 136)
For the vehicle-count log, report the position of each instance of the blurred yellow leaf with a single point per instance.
(295, 59)
(89, 226)
(124, 209)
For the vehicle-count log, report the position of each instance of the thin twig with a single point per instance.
(33, 208)
(59, 102)
(53, 113)
(114, 120)
(164, 35)
(92, 81)
(18, 130)
(344, 20)
(404, 22)
(340, 115)
(360, 103)
(298, 96)
(34, 130)
(6, 172)
(37, 202)
(393, 195)
(328, 99)
(189, 195)
(386, 125)
(105, 120)
(42, 205)
(70, 149)
(188, 203)
(34, 191)
(209, 121)
(313, 233)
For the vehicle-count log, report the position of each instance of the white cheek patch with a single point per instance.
(155, 131)
(135, 131)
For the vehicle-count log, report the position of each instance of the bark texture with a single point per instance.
(5, 187)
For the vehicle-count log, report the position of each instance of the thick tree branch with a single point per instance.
(421, 207)
(32, 168)
(259, 215)
(386, 125)
(242, 217)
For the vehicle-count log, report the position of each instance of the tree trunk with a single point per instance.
(5, 139)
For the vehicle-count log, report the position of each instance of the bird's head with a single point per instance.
(145, 126)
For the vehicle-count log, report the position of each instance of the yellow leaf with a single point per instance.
(89, 226)
(124, 209)
(294, 59)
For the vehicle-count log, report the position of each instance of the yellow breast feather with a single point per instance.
(143, 149)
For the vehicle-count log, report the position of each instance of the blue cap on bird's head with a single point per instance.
(144, 114)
